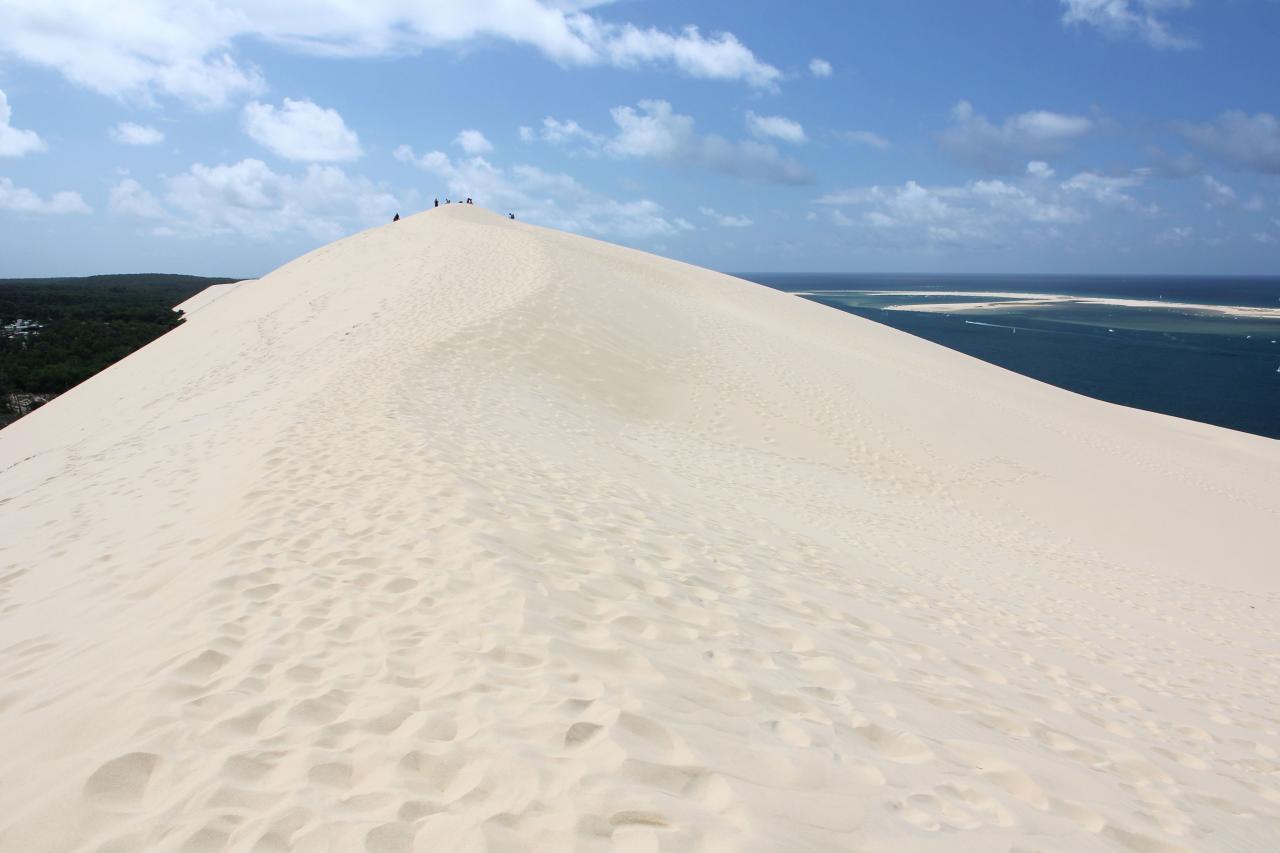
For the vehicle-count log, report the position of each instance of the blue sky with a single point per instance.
(853, 135)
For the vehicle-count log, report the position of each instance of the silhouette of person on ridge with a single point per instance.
(437, 202)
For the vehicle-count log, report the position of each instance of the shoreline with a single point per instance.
(1032, 300)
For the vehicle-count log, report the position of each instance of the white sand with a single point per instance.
(465, 535)
(208, 296)
(1001, 301)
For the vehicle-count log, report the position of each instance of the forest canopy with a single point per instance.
(57, 332)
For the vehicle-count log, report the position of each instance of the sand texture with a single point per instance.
(461, 534)
(207, 297)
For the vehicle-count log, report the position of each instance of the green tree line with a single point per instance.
(83, 326)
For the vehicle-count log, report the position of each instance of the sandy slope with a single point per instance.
(461, 535)
(208, 296)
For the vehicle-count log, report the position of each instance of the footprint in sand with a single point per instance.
(900, 746)
(122, 782)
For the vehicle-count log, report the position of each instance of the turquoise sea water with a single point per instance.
(1188, 362)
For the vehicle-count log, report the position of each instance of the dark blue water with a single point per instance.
(1213, 368)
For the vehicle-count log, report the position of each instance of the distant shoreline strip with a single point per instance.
(994, 300)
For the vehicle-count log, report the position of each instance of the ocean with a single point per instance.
(1161, 343)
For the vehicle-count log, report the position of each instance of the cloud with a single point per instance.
(561, 133)
(180, 50)
(864, 137)
(1039, 169)
(1129, 18)
(189, 50)
(775, 127)
(1003, 147)
(655, 132)
(1247, 142)
(473, 142)
(820, 68)
(1109, 190)
(1218, 193)
(301, 130)
(130, 198)
(249, 199)
(720, 58)
(909, 203)
(982, 211)
(22, 200)
(726, 220)
(839, 218)
(1176, 234)
(1173, 165)
(15, 142)
(1021, 203)
(547, 198)
(128, 133)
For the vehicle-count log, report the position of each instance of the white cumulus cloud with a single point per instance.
(190, 50)
(15, 142)
(473, 142)
(653, 130)
(128, 133)
(820, 67)
(183, 50)
(561, 133)
(978, 212)
(726, 220)
(132, 199)
(1109, 190)
(23, 200)
(721, 57)
(1141, 19)
(775, 127)
(1004, 147)
(248, 198)
(301, 130)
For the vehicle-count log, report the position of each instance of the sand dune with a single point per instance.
(206, 297)
(461, 534)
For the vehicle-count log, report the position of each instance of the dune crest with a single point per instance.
(463, 534)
